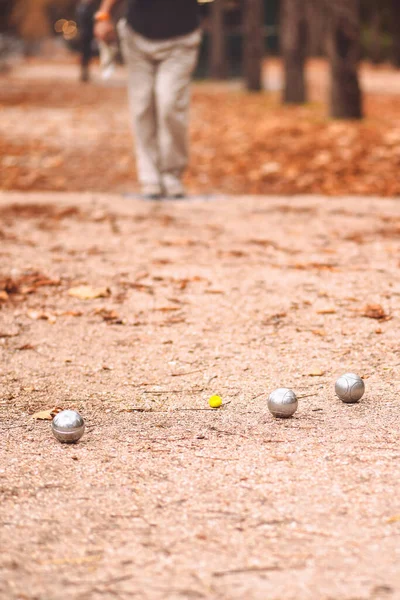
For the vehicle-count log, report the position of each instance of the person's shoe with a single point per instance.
(151, 196)
(151, 192)
(173, 187)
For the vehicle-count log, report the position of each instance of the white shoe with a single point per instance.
(173, 186)
(151, 191)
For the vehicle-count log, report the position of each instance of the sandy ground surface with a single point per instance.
(164, 498)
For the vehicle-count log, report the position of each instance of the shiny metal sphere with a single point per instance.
(350, 388)
(68, 426)
(282, 403)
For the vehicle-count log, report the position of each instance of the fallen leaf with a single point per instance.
(26, 284)
(26, 347)
(110, 316)
(3, 296)
(394, 519)
(326, 311)
(47, 415)
(375, 311)
(9, 334)
(142, 287)
(37, 315)
(314, 265)
(86, 292)
(320, 332)
(275, 319)
(173, 321)
(316, 373)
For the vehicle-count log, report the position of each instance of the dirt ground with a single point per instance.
(164, 498)
(57, 134)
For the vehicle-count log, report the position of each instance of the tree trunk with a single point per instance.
(294, 49)
(395, 18)
(316, 27)
(253, 43)
(375, 48)
(5, 14)
(218, 66)
(344, 54)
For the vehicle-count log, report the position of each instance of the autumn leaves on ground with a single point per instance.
(57, 134)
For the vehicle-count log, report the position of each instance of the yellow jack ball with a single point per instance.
(215, 401)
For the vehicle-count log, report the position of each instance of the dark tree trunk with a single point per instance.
(218, 65)
(343, 43)
(253, 50)
(395, 17)
(316, 27)
(5, 14)
(375, 48)
(294, 50)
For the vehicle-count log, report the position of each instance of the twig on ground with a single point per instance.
(247, 570)
(160, 392)
(187, 373)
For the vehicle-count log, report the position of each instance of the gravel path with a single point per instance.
(163, 498)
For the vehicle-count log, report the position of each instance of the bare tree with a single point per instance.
(395, 17)
(343, 44)
(218, 63)
(294, 49)
(316, 27)
(253, 51)
(376, 32)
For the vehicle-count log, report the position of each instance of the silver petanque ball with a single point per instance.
(68, 426)
(350, 388)
(282, 403)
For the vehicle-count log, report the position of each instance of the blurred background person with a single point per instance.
(160, 41)
(84, 15)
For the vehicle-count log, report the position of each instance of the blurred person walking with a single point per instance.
(84, 15)
(160, 42)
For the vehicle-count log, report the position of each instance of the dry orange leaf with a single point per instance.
(326, 311)
(47, 415)
(316, 373)
(394, 519)
(108, 315)
(26, 347)
(86, 292)
(375, 311)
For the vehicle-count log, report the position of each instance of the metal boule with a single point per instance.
(350, 388)
(68, 426)
(282, 403)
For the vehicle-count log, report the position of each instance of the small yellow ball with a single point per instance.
(215, 401)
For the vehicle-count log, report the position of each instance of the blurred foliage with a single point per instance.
(31, 19)
(34, 19)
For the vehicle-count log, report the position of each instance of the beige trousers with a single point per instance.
(159, 79)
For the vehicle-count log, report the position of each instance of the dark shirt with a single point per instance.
(163, 19)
